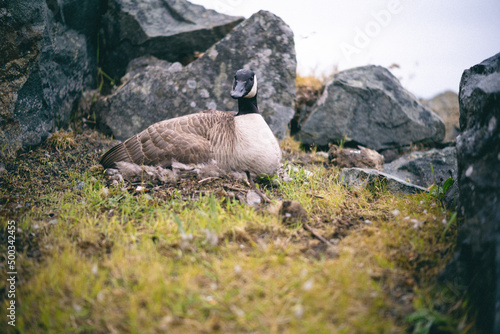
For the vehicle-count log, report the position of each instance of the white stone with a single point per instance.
(308, 285)
(253, 198)
(298, 311)
(469, 171)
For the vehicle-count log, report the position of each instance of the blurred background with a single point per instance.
(427, 44)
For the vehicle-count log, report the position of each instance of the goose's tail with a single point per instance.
(115, 154)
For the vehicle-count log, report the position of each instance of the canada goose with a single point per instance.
(241, 142)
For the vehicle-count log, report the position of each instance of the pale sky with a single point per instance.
(432, 41)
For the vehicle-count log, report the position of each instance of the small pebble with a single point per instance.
(308, 173)
(100, 296)
(292, 212)
(469, 171)
(416, 224)
(322, 154)
(211, 238)
(253, 198)
(396, 213)
(239, 312)
(105, 192)
(308, 285)
(298, 311)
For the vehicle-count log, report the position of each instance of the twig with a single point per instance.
(208, 179)
(257, 190)
(235, 188)
(310, 229)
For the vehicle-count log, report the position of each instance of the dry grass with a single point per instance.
(191, 258)
(309, 81)
(61, 140)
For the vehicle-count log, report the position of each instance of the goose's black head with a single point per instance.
(245, 90)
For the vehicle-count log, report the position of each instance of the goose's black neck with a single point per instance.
(247, 106)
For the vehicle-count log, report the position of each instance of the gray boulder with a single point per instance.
(167, 29)
(416, 168)
(445, 105)
(371, 178)
(45, 68)
(159, 91)
(478, 153)
(369, 106)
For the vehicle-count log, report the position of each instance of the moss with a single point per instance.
(192, 258)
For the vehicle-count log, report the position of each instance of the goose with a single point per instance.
(237, 141)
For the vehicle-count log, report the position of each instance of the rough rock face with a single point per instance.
(369, 106)
(445, 105)
(45, 68)
(167, 29)
(416, 168)
(372, 178)
(263, 43)
(478, 153)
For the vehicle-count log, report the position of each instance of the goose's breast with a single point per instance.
(256, 149)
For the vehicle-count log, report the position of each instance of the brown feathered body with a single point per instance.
(237, 143)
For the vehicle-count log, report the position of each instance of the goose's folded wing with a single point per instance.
(180, 138)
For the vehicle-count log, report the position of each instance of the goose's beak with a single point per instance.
(238, 90)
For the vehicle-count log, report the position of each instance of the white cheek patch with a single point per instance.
(253, 92)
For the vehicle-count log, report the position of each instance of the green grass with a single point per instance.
(192, 258)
